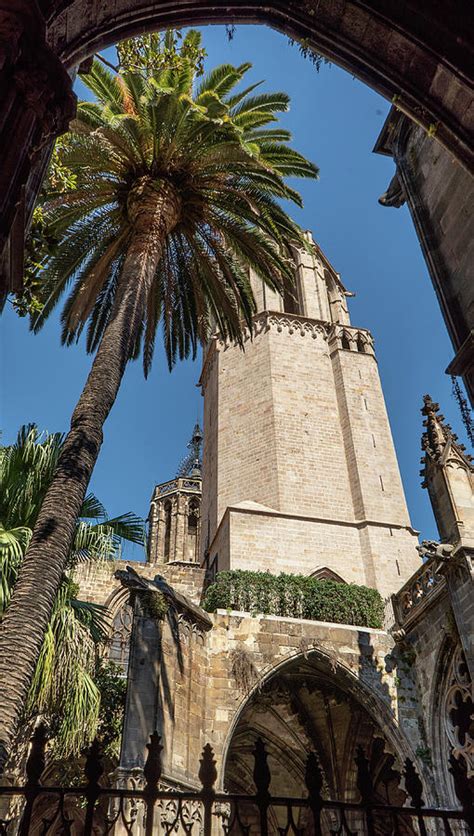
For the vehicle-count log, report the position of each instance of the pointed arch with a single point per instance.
(324, 573)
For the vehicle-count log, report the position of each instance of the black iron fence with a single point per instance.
(152, 808)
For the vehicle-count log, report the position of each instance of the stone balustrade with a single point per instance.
(418, 591)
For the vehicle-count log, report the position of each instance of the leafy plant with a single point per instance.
(296, 596)
(63, 689)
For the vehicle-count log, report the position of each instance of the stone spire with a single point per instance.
(439, 437)
(448, 474)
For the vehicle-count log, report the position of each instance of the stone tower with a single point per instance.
(300, 471)
(175, 512)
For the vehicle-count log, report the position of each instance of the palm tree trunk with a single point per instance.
(154, 213)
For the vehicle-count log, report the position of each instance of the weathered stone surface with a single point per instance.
(299, 466)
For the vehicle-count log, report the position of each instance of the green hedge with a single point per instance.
(296, 596)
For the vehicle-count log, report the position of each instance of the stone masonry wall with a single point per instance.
(204, 699)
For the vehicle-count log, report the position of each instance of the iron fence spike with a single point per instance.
(207, 770)
(152, 768)
(36, 759)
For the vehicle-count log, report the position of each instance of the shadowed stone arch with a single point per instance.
(308, 678)
(409, 52)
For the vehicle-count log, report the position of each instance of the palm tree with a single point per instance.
(178, 190)
(63, 688)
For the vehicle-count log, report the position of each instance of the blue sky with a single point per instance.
(335, 121)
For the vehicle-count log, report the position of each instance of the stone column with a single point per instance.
(36, 105)
(143, 680)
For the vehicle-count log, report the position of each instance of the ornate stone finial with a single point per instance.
(192, 463)
(437, 436)
(436, 433)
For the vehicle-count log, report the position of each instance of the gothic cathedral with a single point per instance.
(298, 477)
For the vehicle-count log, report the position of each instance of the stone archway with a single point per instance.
(304, 706)
(410, 52)
(402, 50)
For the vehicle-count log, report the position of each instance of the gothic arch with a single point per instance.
(121, 618)
(323, 573)
(337, 676)
(411, 53)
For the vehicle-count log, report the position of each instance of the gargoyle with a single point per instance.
(431, 548)
(180, 603)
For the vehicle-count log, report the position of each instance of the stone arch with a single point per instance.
(412, 55)
(374, 715)
(323, 573)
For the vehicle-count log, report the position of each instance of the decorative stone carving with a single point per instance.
(419, 588)
(459, 712)
(431, 548)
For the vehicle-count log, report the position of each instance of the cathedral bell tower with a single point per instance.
(175, 512)
(300, 472)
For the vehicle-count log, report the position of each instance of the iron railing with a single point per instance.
(154, 808)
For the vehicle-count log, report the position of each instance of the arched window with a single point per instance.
(167, 529)
(360, 345)
(193, 516)
(291, 297)
(119, 651)
(345, 342)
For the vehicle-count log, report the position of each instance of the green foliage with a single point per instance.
(309, 53)
(42, 242)
(147, 54)
(154, 129)
(63, 689)
(154, 605)
(296, 596)
(112, 686)
(424, 754)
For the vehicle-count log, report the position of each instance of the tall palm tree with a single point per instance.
(178, 189)
(63, 688)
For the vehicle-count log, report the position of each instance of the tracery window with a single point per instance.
(459, 711)
(119, 651)
(193, 516)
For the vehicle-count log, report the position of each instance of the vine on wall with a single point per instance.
(296, 596)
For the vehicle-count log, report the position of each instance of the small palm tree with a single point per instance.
(63, 687)
(178, 190)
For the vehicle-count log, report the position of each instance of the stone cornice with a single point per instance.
(260, 512)
(339, 336)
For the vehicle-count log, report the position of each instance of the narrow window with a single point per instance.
(345, 342)
(373, 440)
(398, 567)
(291, 301)
(381, 483)
(167, 530)
(365, 404)
(193, 514)
(360, 345)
